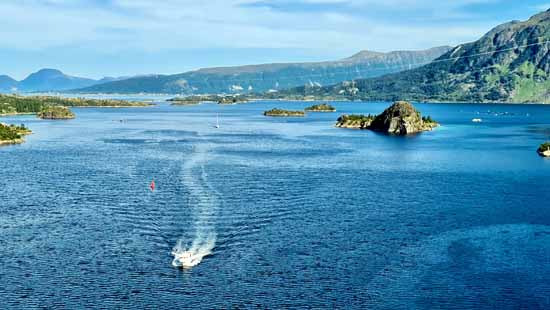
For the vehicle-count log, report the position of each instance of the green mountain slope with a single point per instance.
(261, 78)
(511, 63)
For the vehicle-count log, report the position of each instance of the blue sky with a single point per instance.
(96, 38)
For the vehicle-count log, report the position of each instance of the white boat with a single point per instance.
(186, 259)
(477, 120)
(217, 121)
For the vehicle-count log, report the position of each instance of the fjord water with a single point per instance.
(293, 212)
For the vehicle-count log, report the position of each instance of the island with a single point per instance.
(284, 113)
(232, 99)
(55, 113)
(16, 104)
(12, 134)
(189, 100)
(355, 121)
(323, 107)
(197, 99)
(401, 118)
(544, 149)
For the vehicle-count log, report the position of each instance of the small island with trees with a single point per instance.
(284, 113)
(399, 119)
(55, 113)
(544, 149)
(198, 99)
(323, 107)
(13, 134)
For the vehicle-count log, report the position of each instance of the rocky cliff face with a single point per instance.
(401, 119)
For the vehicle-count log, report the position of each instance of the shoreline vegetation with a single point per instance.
(400, 119)
(219, 99)
(22, 105)
(282, 96)
(284, 113)
(13, 134)
(302, 98)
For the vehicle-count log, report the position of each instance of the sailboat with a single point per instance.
(217, 121)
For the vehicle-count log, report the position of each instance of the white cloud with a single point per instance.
(170, 24)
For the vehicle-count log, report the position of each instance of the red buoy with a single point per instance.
(152, 186)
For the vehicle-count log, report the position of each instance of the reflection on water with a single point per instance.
(278, 213)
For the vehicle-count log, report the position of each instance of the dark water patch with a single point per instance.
(152, 141)
(298, 153)
(170, 132)
(245, 135)
(541, 130)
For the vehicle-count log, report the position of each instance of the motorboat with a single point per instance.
(186, 259)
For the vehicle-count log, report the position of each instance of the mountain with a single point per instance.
(49, 80)
(52, 80)
(7, 84)
(511, 63)
(266, 77)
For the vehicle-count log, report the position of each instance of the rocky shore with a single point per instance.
(12, 134)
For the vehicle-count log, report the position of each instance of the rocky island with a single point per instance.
(324, 107)
(12, 134)
(56, 112)
(544, 149)
(399, 119)
(284, 113)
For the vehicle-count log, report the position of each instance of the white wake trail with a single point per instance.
(204, 203)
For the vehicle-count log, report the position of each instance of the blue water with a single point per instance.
(303, 214)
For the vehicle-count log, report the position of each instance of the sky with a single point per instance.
(96, 38)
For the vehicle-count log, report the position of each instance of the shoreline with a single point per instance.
(18, 113)
(416, 102)
(78, 107)
(114, 106)
(11, 142)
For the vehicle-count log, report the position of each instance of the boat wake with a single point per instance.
(204, 202)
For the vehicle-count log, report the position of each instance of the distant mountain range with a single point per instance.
(47, 80)
(268, 77)
(511, 63)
